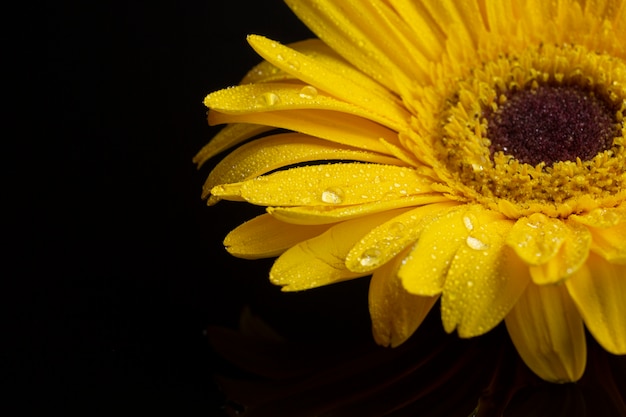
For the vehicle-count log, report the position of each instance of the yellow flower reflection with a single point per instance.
(470, 152)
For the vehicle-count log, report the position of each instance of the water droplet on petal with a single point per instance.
(469, 221)
(332, 196)
(270, 99)
(397, 229)
(295, 65)
(308, 92)
(370, 257)
(476, 243)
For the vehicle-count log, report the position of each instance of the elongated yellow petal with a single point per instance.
(229, 136)
(554, 248)
(336, 127)
(548, 333)
(426, 267)
(500, 14)
(618, 17)
(357, 34)
(413, 66)
(462, 17)
(327, 214)
(428, 36)
(321, 260)
(328, 185)
(265, 237)
(273, 152)
(326, 57)
(390, 238)
(599, 291)
(485, 278)
(266, 72)
(395, 313)
(252, 98)
(336, 78)
(603, 8)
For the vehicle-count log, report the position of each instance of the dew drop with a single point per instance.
(333, 196)
(295, 65)
(397, 229)
(468, 221)
(308, 92)
(476, 243)
(270, 99)
(370, 257)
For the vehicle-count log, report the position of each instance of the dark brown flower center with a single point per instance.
(550, 124)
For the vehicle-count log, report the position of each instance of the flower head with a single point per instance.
(466, 152)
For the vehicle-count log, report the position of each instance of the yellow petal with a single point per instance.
(426, 267)
(264, 237)
(457, 18)
(603, 218)
(548, 333)
(328, 214)
(273, 152)
(485, 278)
(265, 72)
(337, 77)
(608, 230)
(603, 8)
(537, 238)
(599, 291)
(229, 136)
(618, 17)
(357, 33)
(314, 48)
(390, 238)
(321, 260)
(500, 15)
(610, 243)
(428, 36)
(333, 126)
(327, 185)
(395, 313)
(554, 248)
(404, 155)
(252, 98)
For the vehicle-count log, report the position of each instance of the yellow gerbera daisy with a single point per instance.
(467, 151)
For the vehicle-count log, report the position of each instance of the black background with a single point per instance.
(114, 267)
(121, 267)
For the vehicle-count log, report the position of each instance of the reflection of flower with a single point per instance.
(467, 151)
(431, 375)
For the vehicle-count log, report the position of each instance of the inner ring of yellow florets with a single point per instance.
(478, 169)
